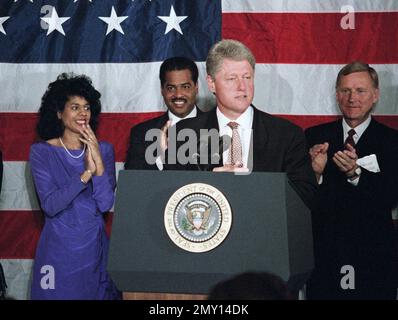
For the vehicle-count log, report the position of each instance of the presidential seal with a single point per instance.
(197, 217)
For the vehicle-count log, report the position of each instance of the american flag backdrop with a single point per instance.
(299, 46)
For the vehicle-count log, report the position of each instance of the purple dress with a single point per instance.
(72, 252)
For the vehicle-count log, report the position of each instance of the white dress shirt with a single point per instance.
(359, 130)
(174, 120)
(245, 122)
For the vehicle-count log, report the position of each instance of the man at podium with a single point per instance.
(183, 250)
(258, 140)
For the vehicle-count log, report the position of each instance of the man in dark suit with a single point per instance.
(356, 163)
(179, 87)
(265, 142)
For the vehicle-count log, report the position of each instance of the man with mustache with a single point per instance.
(179, 87)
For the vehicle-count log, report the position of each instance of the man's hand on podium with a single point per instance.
(231, 168)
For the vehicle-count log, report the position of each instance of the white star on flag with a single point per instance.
(173, 21)
(2, 20)
(113, 22)
(54, 22)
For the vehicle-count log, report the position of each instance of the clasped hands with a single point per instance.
(93, 161)
(345, 160)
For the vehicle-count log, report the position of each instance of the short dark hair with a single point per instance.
(177, 64)
(54, 99)
(251, 286)
(357, 66)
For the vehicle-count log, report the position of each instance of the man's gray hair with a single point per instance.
(358, 66)
(227, 49)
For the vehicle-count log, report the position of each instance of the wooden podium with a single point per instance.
(162, 296)
(271, 232)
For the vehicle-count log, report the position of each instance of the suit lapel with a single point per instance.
(212, 123)
(258, 141)
(198, 111)
(368, 140)
(335, 138)
(162, 120)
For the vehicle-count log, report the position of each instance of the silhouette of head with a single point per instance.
(251, 286)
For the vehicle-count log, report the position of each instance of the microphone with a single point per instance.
(202, 149)
(210, 153)
(224, 143)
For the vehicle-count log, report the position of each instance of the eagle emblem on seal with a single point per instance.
(197, 216)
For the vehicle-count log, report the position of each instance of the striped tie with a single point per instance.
(350, 138)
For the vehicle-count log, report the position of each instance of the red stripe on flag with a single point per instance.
(115, 128)
(20, 232)
(315, 37)
(19, 131)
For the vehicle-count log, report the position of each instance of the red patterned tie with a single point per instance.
(350, 138)
(235, 150)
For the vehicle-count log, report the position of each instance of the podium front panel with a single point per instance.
(143, 258)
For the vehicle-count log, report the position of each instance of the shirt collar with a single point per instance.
(245, 120)
(358, 129)
(174, 119)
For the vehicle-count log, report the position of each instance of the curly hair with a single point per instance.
(54, 99)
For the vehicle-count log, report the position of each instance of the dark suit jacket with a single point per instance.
(278, 146)
(353, 224)
(136, 151)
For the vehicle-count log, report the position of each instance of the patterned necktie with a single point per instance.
(235, 150)
(350, 138)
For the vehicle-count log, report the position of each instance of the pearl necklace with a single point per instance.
(67, 151)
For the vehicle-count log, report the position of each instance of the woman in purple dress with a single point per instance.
(74, 176)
